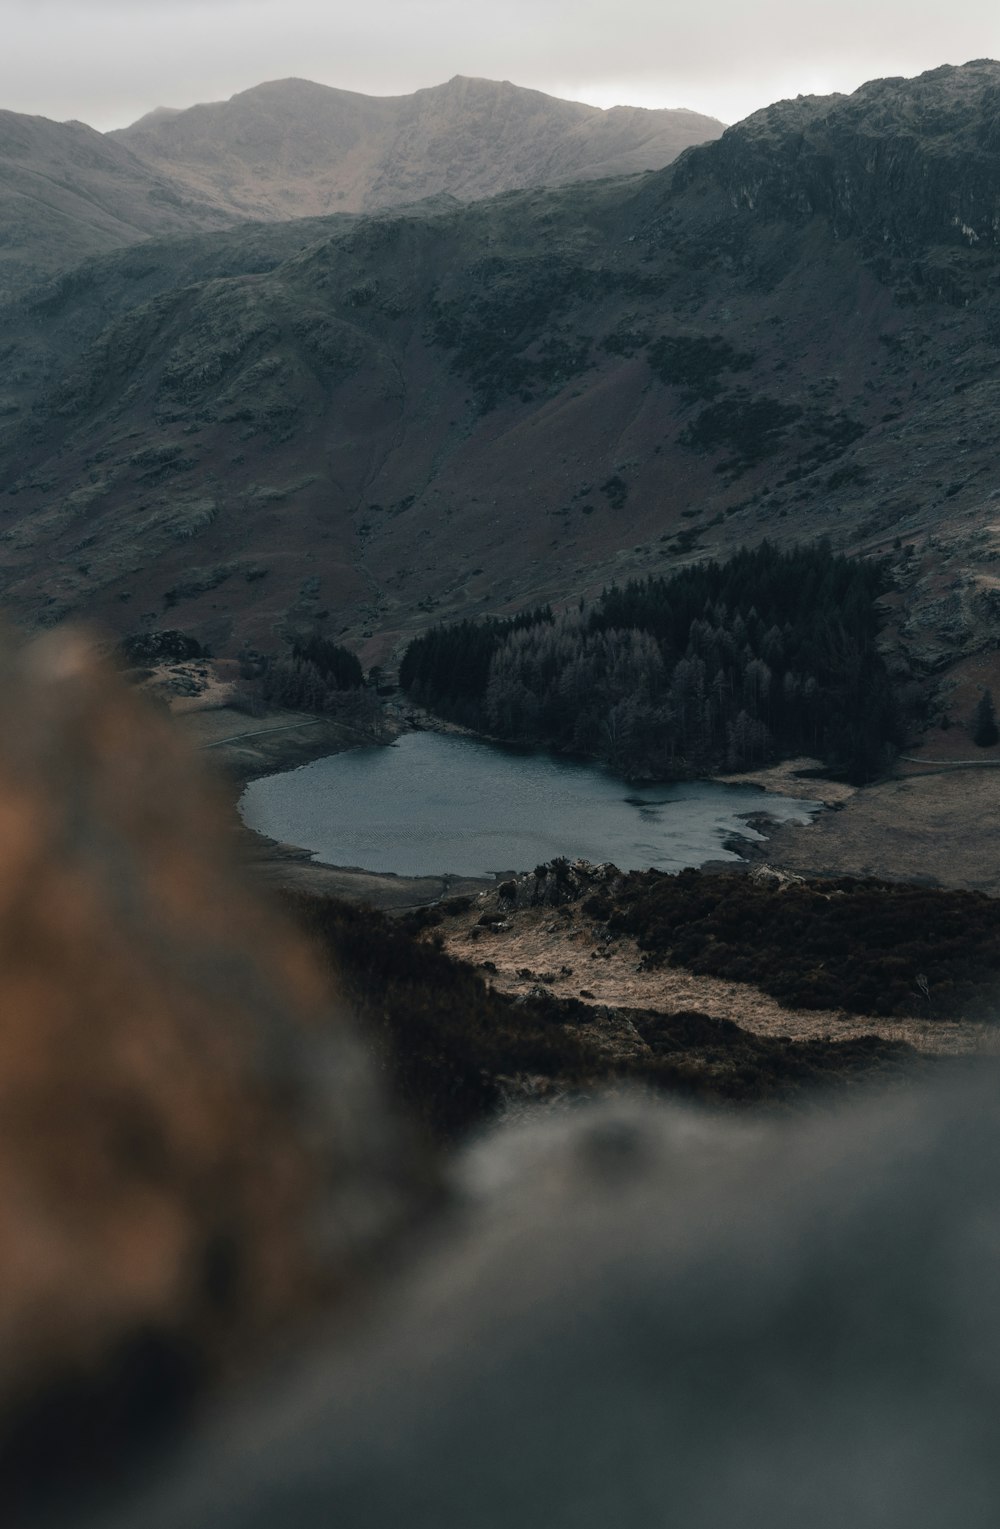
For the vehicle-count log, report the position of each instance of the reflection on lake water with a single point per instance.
(433, 804)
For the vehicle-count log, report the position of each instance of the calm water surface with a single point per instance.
(432, 804)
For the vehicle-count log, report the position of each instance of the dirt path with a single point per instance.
(260, 732)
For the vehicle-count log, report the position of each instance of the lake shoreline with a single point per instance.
(245, 749)
(415, 813)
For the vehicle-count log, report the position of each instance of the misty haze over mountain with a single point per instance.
(108, 62)
(292, 149)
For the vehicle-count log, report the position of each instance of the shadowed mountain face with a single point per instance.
(291, 148)
(379, 422)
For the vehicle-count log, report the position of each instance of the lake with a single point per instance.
(433, 804)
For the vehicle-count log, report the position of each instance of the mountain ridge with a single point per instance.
(67, 192)
(466, 409)
(938, 160)
(296, 148)
(292, 149)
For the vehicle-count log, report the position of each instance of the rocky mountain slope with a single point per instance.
(291, 148)
(459, 409)
(67, 192)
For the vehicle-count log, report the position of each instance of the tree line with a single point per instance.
(316, 676)
(721, 665)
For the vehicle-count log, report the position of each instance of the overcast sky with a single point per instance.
(108, 61)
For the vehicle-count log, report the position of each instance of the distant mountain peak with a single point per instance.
(158, 114)
(295, 148)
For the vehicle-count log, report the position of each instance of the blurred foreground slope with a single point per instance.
(637, 1312)
(193, 1153)
(654, 1317)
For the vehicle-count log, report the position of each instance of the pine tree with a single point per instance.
(984, 723)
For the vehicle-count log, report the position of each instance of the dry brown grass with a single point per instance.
(540, 941)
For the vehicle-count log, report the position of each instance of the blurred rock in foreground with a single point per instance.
(659, 1318)
(192, 1152)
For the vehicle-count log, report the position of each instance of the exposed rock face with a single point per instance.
(193, 1153)
(901, 162)
(557, 882)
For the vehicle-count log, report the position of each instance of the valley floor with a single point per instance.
(931, 828)
(937, 829)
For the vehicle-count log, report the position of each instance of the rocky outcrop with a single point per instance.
(552, 884)
(902, 162)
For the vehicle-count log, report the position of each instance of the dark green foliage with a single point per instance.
(441, 1036)
(338, 666)
(754, 427)
(615, 491)
(448, 668)
(713, 1060)
(319, 675)
(721, 664)
(625, 342)
(833, 434)
(841, 477)
(696, 362)
(856, 945)
(505, 340)
(506, 337)
(749, 426)
(189, 589)
(984, 723)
